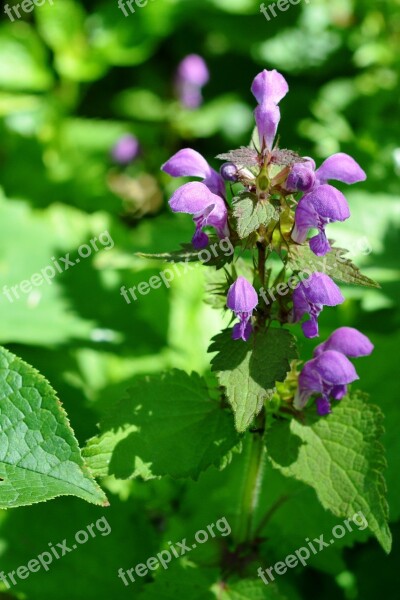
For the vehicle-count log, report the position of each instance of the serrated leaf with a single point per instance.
(214, 255)
(167, 425)
(249, 370)
(39, 457)
(250, 213)
(334, 264)
(285, 157)
(245, 157)
(341, 457)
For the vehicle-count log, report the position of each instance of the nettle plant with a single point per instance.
(263, 400)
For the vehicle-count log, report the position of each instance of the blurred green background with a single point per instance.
(74, 78)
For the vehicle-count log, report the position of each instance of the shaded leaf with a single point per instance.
(167, 425)
(249, 370)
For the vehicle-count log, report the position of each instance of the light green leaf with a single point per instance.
(250, 213)
(249, 370)
(334, 264)
(167, 425)
(341, 457)
(40, 457)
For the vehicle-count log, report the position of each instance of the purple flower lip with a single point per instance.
(189, 163)
(242, 299)
(125, 150)
(347, 340)
(323, 205)
(310, 297)
(192, 74)
(268, 88)
(207, 209)
(328, 375)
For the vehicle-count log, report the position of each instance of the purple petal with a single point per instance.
(320, 289)
(301, 177)
(334, 368)
(125, 150)
(341, 167)
(192, 198)
(310, 328)
(267, 119)
(319, 244)
(242, 331)
(328, 202)
(348, 341)
(193, 70)
(323, 406)
(242, 297)
(309, 383)
(200, 239)
(338, 392)
(189, 163)
(306, 217)
(269, 86)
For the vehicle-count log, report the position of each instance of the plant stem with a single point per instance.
(254, 471)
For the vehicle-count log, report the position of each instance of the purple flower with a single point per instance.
(310, 297)
(189, 163)
(323, 205)
(303, 177)
(125, 150)
(242, 300)
(347, 340)
(192, 74)
(328, 375)
(269, 87)
(207, 209)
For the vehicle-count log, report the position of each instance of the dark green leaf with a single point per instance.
(249, 370)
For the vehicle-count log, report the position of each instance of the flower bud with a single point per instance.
(229, 172)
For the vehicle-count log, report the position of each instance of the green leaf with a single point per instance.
(40, 457)
(341, 457)
(217, 254)
(334, 264)
(167, 425)
(250, 213)
(249, 370)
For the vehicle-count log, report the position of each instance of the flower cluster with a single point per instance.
(304, 200)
